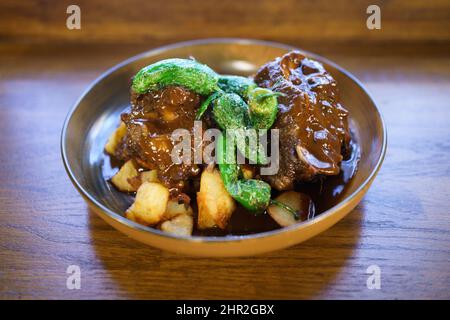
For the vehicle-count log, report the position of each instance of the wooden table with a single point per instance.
(402, 225)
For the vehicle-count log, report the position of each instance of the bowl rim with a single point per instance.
(229, 238)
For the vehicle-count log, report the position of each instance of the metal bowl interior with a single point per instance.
(96, 114)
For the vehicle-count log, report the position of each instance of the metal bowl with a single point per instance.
(96, 114)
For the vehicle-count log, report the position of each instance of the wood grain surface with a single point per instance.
(402, 225)
(171, 20)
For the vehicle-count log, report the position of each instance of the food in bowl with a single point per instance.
(313, 150)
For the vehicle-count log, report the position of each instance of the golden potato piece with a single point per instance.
(247, 172)
(130, 215)
(121, 178)
(181, 225)
(215, 205)
(144, 176)
(115, 138)
(150, 204)
(175, 209)
(300, 202)
(149, 176)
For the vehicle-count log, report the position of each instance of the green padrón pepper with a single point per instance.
(180, 72)
(252, 194)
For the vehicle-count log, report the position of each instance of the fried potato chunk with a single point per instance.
(122, 178)
(149, 176)
(143, 176)
(300, 202)
(215, 205)
(247, 172)
(115, 137)
(150, 204)
(181, 225)
(174, 209)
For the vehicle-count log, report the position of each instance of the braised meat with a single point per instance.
(314, 133)
(150, 123)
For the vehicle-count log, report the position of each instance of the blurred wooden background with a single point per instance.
(292, 21)
(402, 224)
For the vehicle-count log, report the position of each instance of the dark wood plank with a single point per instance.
(134, 21)
(402, 225)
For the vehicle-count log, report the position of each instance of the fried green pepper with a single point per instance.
(252, 194)
(236, 84)
(231, 113)
(262, 102)
(181, 72)
(263, 107)
(204, 106)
